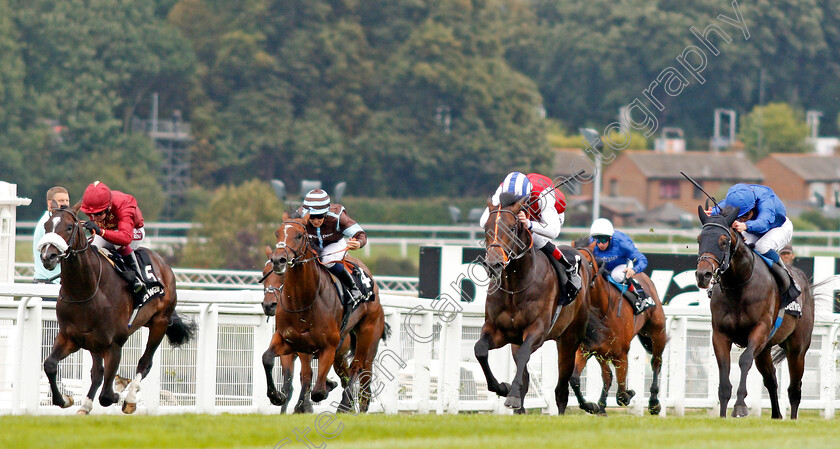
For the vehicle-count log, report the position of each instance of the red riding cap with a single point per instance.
(97, 197)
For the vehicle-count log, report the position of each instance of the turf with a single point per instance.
(413, 431)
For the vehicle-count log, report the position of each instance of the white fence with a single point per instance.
(427, 365)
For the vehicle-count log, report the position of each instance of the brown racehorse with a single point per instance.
(623, 325)
(521, 305)
(744, 303)
(313, 320)
(273, 291)
(93, 310)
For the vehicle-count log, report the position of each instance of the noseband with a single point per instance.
(70, 250)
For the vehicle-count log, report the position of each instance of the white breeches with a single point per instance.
(333, 253)
(618, 273)
(775, 238)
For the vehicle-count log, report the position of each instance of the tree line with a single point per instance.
(399, 98)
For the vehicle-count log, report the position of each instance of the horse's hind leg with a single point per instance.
(796, 367)
(62, 347)
(97, 372)
(764, 363)
(574, 381)
(157, 329)
(722, 346)
(659, 340)
(112, 363)
(304, 404)
(287, 363)
(606, 381)
(566, 366)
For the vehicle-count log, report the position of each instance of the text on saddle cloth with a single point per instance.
(154, 288)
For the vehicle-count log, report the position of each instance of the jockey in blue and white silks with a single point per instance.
(761, 218)
(617, 250)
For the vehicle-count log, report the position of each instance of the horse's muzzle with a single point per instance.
(269, 309)
(279, 264)
(704, 278)
(49, 259)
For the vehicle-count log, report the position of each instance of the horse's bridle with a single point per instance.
(70, 251)
(720, 267)
(508, 254)
(297, 256)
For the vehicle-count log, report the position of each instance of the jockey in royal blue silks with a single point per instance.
(764, 224)
(620, 256)
(544, 217)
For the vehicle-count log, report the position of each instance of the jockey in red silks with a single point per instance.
(545, 215)
(117, 224)
(327, 225)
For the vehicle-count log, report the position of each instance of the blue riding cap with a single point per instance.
(742, 197)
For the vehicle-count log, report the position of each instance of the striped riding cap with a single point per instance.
(317, 202)
(516, 184)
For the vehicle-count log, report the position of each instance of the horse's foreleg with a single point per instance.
(97, 372)
(304, 404)
(764, 363)
(722, 346)
(287, 363)
(275, 348)
(574, 381)
(112, 363)
(756, 343)
(606, 382)
(526, 380)
(325, 362)
(62, 347)
(521, 357)
(487, 341)
(623, 395)
(796, 367)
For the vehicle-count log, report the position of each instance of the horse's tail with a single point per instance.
(646, 342)
(778, 354)
(180, 331)
(596, 329)
(386, 332)
(824, 298)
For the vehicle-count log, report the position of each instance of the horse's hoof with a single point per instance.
(503, 390)
(277, 398)
(82, 412)
(331, 384)
(129, 407)
(68, 401)
(624, 399)
(654, 407)
(590, 407)
(520, 411)
(513, 402)
(740, 411)
(319, 395)
(107, 401)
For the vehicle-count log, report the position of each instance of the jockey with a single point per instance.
(544, 218)
(621, 257)
(764, 224)
(117, 224)
(327, 225)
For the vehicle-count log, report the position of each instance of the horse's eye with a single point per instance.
(299, 236)
(69, 228)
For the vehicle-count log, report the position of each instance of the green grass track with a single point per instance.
(415, 431)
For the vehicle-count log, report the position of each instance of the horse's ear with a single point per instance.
(702, 214)
(286, 215)
(268, 251)
(77, 206)
(53, 204)
(277, 233)
(730, 214)
(522, 203)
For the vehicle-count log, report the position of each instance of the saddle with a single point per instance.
(568, 292)
(632, 291)
(154, 288)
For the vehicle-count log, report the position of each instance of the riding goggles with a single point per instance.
(602, 238)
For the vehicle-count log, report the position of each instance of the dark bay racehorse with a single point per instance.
(93, 310)
(521, 305)
(623, 325)
(313, 320)
(273, 292)
(744, 303)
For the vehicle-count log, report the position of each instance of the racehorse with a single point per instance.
(522, 305)
(273, 291)
(623, 325)
(745, 301)
(93, 310)
(311, 320)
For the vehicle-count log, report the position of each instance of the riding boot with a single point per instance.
(787, 284)
(138, 287)
(567, 290)
(342, 275)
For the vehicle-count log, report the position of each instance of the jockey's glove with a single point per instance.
(91, 225)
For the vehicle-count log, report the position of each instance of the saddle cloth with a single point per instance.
(154, 288)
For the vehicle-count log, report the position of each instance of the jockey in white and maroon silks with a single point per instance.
(545, 216)
(116, 222)
(327, 225)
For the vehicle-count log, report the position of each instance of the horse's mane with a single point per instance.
(582, 242)
(294, 213)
